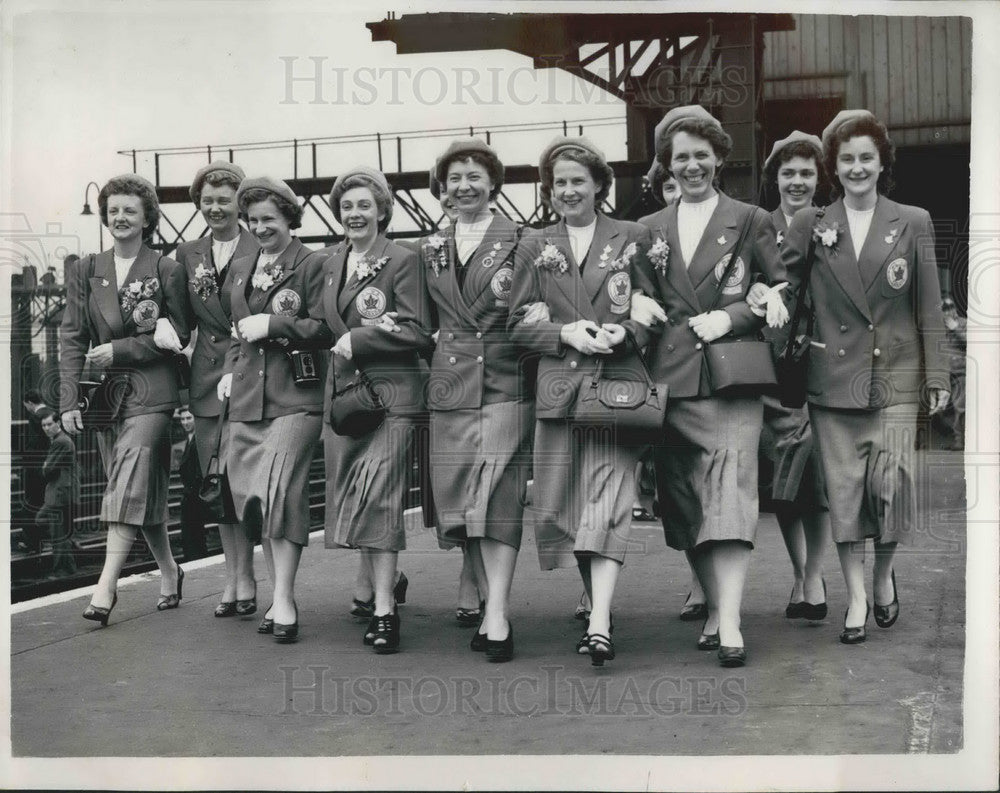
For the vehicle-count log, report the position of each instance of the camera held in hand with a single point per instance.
(304, 369)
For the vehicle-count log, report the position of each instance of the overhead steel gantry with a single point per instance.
(652, 62)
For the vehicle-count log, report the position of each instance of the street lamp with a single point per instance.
(87, 211)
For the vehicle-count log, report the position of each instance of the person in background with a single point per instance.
(797, 487)
(62, 492)
(952, 418)
(193, 542)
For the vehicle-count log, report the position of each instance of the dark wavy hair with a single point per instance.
(129, 185)
(797, 148)
(856, 128)
(660, 176)
(490, 162)
(600, 172)
(217, 179)
(383, 200)
(717, 137)
(291, 212)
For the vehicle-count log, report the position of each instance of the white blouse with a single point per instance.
(859, 221)
(692, 220)
(469, 236)
(580, 238)
(122, 266)
(222, 252)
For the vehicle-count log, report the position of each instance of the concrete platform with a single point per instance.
(184, 684)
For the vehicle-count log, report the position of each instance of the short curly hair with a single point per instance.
(291, 212)
(856, 128)
(217, 179)
(797, 148)
(131, 185)
(491, 163)
(383, 200)
(717, 137)
(599, 169)
(660, 175)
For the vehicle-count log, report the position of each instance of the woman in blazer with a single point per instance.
(877, 353)
(707, 462)
(582, 269)
(482, 415)
(274, 297)
(797, 486)
(206, 264)
(367, 476)
(113, 301)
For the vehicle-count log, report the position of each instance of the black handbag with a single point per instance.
(214, 494)
(739, 367)
(634, 406)
(792, 364)
(101, 401)
(356, 409)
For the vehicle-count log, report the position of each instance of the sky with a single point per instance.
(88, 79)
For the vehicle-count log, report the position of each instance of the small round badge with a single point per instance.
(501, 283)
(371, 302)
(620, 289)
(145, 314)
(897, 273)
(286, 303)
(734, 284)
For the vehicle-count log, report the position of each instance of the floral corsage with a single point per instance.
(369, 265)
(266, 277)
(551, 258)
(623, 261)
(659, 255)
(828, 234)
(204, 282)
(132, 293)
(436, 253)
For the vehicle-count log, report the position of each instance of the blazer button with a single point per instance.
(479, 358)
(876, 352)
(479, 335)
(670, 348)
(212, 360)
(239, 375)
(843, 328)
(452, 359)
(214, 338)
(357, 373)
(841, 353)
(261, 372)
(871, 328)
(451, 336)
(698, 346)
(572, 364)
(260, 350)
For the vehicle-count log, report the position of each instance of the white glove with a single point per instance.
(343, 347)
(646, 311)
(585, 336)
(255, 327)
(224, 387)
(711, 326)
(72, 421)
(938, 401)
(435, 335)
(165, 337)
(756, 298)
(536, 312)
(387, 322)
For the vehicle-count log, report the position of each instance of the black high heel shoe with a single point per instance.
(708, 641)
(583, 643)
(266, 625)
(167, 602)
(855, 635)
(478, 642)
(244, 608)
(600, 648)
(732, 657)
(226, 608)
(369, 637)
(363, 609)
(794, 611)
(399, 591)
(98, 614)
(286, 634)
(886, 616)
(693, 612)
(386, 634)
(817, 611)
(502, 651)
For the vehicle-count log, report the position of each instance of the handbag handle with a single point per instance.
(740, 241)
(629, 339)
(217, 442)
(800, 301)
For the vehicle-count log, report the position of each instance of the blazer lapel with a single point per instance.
(570, 283)
(677, 275)
(288, 261)
(718, 239)
(604, 240)
(355, 284)
(104, 287)
(202, 254)
(841, 259)
(480, 276)
(881, 241)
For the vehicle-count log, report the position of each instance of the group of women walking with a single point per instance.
(513, 322)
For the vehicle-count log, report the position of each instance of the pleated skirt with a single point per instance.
(480, 460)
(706, 471)
(867, 457)
(268, 467)
(367, 480)
(136, 457)
(583, 492)
(786, 442)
